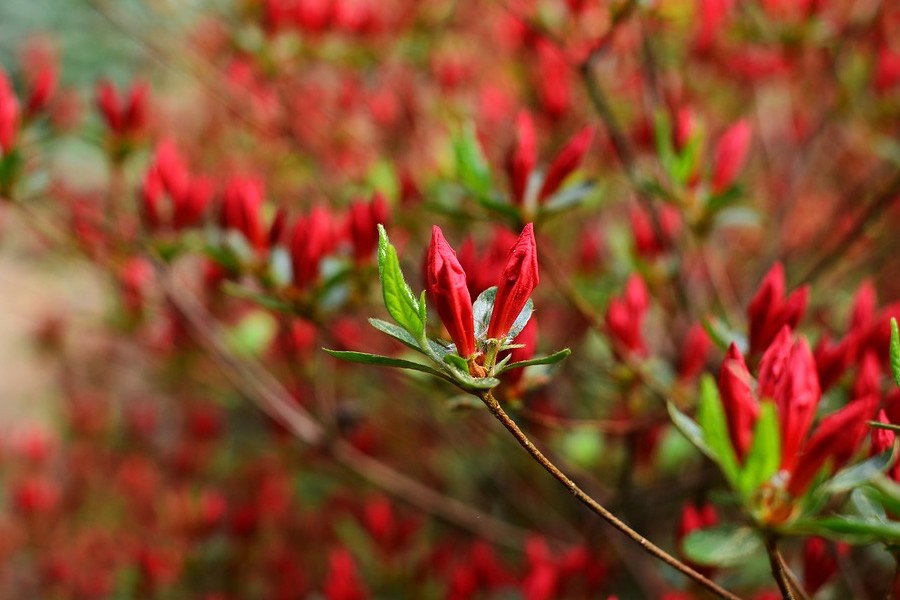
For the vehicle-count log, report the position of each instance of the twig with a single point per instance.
(776, 562)
(510, 425)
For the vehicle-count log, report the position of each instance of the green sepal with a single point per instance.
(541, 360)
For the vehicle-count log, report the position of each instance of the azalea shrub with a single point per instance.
(434, 299)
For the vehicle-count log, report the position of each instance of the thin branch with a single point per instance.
(779, 571)
(510, 425)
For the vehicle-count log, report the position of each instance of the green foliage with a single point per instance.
(725, 545)
(399, 300)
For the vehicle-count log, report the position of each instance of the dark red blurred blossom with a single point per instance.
(392, 532)
(552, 78)
(566, 162)
(517, 282)
(42, 86)
(125, 113)
(242, 207)
(694, 352)
(483, 271)
(819, 563)
(447, 289)
(868, 376)
(136, 279)
(832, 360)
(362, 225)
(712, 17)
(730, 154)
(625, 316)
(34, 445)
(648, 242)
(312, 238)
(522, 157)
(770, 309)
(343, 581)
(10, 115)
(887, 70)
(590, 250)
(35, 495)
(738, 400)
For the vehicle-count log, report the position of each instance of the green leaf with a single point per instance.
(895, 351)
(689, 429)
(482, 310)
(472, 168)
(542, 360)
(364, 358)
(711, 418)
(253, 334)
(725, 545)
(398, 333)
(854, 529)
(521, 320)
(399, 300)
(859, 474)
(765, 452)
(865, 502)
(457, 361)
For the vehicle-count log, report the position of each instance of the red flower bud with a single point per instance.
(241, 206)
(832, 359)
(730, 154)
(625, 316)
(694, 352)
(769, 310)
(819, 563)
(796, 395)
(882, 439)
(835, 440)
(566, 162)
(362, 225)
(519, 278)
(738, 401)
(311, 239)
(343, 582)
(522, 157)
(446, 285)
(10, 115)
(42, 87)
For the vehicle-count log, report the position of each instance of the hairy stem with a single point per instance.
(510, 425)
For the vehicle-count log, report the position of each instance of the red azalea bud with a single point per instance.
(882, 439)
(311, 239)
(730, 154)
(887, 70)
(241, 205)
(868, 376)
(566, 162)
(797, 396)
(362, 225)
(834, 441)
(832, 360)
(10, 115)
(191, 205)
(625, 316)
(819, 563)
(522, 157)
(738, 401)
(865, 303)
(313, 15)
(552, 79)
(446, 284)
(694, 352)
(769, 310)
(43, 85)
(519, 278)
(110, 106)
(135, 115)
(343, 582)
(277, 228)
(151, 195)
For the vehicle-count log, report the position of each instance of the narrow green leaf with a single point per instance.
(542, 360)
(765, 451)
(399, 300)
(689, 429)
(859, 474)
(472, 167)
(396, 332)
(364, 358)
(711, 418)
(895, 351)
(880, 425)
(854, 529)
(724, 545)
(482, 309)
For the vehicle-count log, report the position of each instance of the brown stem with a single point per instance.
(779, 571)
(510, 425)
